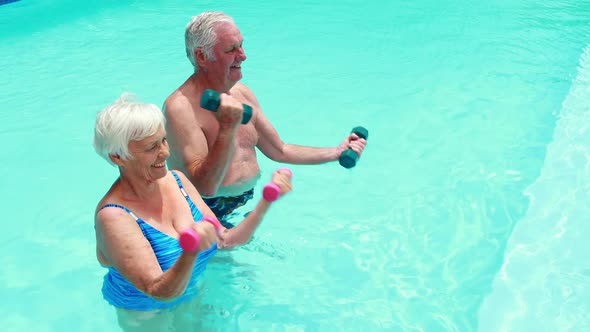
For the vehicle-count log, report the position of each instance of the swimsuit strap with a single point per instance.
(197, 215)
(121, 207)
(181, 186)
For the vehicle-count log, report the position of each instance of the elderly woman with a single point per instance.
(139, 220)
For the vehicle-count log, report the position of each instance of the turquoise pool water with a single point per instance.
(467, 211)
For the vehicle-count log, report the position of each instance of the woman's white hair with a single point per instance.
(199, 33)
(123, 121)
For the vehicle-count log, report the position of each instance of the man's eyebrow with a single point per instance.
(234, 45)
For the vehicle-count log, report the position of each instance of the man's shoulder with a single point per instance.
(176, 103)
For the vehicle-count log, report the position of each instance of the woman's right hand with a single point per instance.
(207, 234)
(282, 178)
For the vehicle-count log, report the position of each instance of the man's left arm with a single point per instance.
(272, 146)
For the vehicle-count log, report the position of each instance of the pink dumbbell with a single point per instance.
(271, 191)
(189, 240)
(213, 221)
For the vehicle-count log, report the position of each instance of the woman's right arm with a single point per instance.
(243, 232)
(123, 245)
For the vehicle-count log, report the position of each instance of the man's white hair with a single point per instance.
(200, 33)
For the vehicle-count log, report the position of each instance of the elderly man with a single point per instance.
(214, 149)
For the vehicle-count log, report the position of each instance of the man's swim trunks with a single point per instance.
(224, 206)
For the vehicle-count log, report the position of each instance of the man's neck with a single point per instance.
(201, 81)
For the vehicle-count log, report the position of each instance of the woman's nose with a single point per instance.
(165, 150)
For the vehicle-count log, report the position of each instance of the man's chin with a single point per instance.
(234, 80)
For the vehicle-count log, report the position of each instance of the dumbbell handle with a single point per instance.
(349, 158)
(210, 101)
(271, 191)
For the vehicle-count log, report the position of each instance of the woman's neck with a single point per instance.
(139, 189)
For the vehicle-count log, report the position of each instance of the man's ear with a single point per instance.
(116, 159)
(200, 57)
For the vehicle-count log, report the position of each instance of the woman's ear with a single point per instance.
(116, 159)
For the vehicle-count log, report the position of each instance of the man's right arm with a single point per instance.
(206, 168)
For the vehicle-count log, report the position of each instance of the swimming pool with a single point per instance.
(466, 212)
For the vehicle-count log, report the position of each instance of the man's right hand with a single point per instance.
(230, 112)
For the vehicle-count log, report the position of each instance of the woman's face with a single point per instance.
(149, 156)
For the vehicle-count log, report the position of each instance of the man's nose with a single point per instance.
(242, 56)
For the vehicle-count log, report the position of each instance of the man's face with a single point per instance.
(228, 55)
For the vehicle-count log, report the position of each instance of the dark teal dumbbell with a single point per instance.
(349, 158)
(210, 101)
